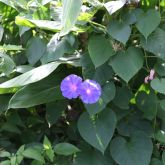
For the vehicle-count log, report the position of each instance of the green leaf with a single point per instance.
(162, 104)
(119, 31)
(70, 12)
(48, 149)
(65, 149)
(1, 32)
(163, 158)
(34, 95)
(133, 123)
(108, 93)
(6, 64)
(155, 43)
(54, 26)
(160, 136)
(155, 161)
(137, 150)
(158, 85)
(122, 98)
(33, 153)
(147, 103)
(160, 67)
(92, 157)
(4, 102)
(127, 64)
(31, 76)
(99, 53)
(4, 154)
(5, 162)
(148, 22)
(11, 47)
(54, 111)
(35, 49)
(97, 130)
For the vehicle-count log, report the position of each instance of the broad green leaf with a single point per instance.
(6, 64)
(147, 103)
(155, 161)
(70, 12)
(137, 149)
(54, 111)
(155, 43)
(92, 157)
(148, 22)
(44, 91)
(122, 98)
(13, 160)
(108, 93)
(127, 64)
(4, 154)
(5, 162)
(119, 31)
(133, 123)
(34, 95)
(23, 68)
(65, 149)
(31, 76)
(103, 74)
(36, 48)
(33, 153)
(158, 85)
(42, 24)
(100, 50)
(97, 130)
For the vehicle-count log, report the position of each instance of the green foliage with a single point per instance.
(116, 43)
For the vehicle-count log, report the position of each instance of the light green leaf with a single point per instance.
(119, 31)
(127, 64)
(158, 85)
(160, 136)
(31, 76)
(155, 43)
(97, 130)
(65, 149)
(70, 12)
(100, 50)
(42, 24)
(33, 153)
(137, 150)
(148, 22)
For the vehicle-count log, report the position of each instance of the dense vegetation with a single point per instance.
(119, 44)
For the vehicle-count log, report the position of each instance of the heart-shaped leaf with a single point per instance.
(136, 151)
(155, 43)
(148, 22)
(100, 50)
(119, 31)
(158, 85)
(98, 130)
(127, 64)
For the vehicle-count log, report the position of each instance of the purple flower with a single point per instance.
(69, 86)
(90, 91)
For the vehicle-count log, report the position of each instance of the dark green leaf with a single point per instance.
(98, 130)
(137, 150)
(158, 85)
(99, 53)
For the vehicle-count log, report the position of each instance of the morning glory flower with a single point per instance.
(90, 91)
(69, 86)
